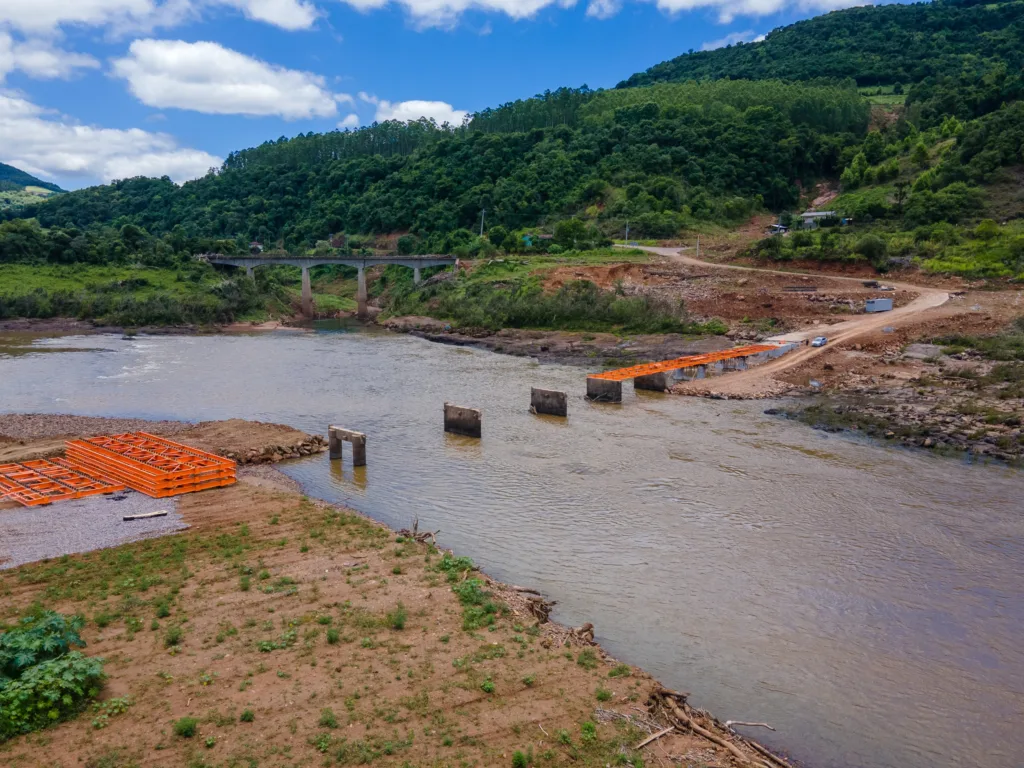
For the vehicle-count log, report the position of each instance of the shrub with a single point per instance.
(186, 727)
(41, 680)
(587, 659)
(603, 694)
(519, 760)
(173, 636)
(487, 686)
(327, 718)
(396, 618)
(247, 716)
(333, 636)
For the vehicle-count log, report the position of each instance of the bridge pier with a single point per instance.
(307, 293)
(604, 390)
(337, 435)
(361, 293)
(417, 278)
(250, 272)
(655, 382)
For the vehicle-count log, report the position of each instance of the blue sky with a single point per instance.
(92, 90)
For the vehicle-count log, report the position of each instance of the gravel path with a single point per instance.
(67, 527)
(35, 426)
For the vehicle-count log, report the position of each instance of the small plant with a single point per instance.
(587, 659)
(397, 570)
(396, 618)
(563, 737)
(487, 686)
(163, 608)
(247, 716)
(588, 732)
(324, 620)
(529, 680)
(210, 741)
(603, 694)
(519, 760)
(186, 727)
(621, 670)
(445, 638)
(274, 520)
(243, 583)
(173, 636)
(333, 636)
(327, 718)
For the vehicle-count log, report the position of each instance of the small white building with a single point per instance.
(811, 219)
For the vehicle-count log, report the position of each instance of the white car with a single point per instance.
(819, 341)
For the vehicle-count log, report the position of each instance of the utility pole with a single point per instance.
(698, 246)
(482, 212)
(627, 231)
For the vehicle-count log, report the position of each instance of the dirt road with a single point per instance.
(759, 381)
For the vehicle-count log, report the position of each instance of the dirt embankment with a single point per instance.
(296, 632)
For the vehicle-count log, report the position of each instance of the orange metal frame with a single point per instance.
(690, 361)
(35, 483)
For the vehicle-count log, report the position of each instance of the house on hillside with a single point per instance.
(255, 248)
(813, 219)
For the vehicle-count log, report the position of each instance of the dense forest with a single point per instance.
(886, 44)
(706, 139)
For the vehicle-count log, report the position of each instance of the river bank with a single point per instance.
(344, 638)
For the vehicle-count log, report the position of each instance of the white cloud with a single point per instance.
(445, 13)
(350, 121)
(730, 9)
(40, 59)
(603, 9)
(42, 16)
(731, 39)
(46, 15)
(287, 14)
(440, 112)
(50, 145)
(206, 77)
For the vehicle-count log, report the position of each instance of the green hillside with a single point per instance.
(690, 147)
(874, 45)
(18, 188)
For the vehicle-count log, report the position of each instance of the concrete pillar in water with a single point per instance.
(702, 372)
(549, 401)
(337, 436)
(462, 421)
(741, 364)
(417, 278)
(654, 382)
(361, 293)
(307, 293)
(604, 390)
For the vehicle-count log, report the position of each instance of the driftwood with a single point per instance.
(144, 516)
(662, 697)
(415, 534)
(731, 723)
(654, 737)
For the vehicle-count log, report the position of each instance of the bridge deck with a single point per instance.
(690, 361)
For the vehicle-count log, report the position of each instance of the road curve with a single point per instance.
(746, 382)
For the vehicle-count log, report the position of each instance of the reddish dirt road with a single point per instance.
(760, 381)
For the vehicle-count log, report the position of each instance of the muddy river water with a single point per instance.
(867, 602)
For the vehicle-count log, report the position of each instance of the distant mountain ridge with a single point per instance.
(15, 180)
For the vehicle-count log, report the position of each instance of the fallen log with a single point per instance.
(654, 737)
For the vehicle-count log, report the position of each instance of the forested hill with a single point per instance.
(880, 45)
(13, 179)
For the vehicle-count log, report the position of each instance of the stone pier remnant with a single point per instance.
(417, 278)
(336, 436)
(655, 382)
(549, 401)
(462, 421)
(604, 390)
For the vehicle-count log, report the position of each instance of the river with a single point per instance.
(866, 601)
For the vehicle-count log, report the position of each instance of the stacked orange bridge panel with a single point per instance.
(151, 465)
(35, 483)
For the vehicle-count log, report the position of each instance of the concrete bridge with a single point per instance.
(305, 263)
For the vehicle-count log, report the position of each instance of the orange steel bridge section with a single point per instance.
(107, 464)
(691, 361)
